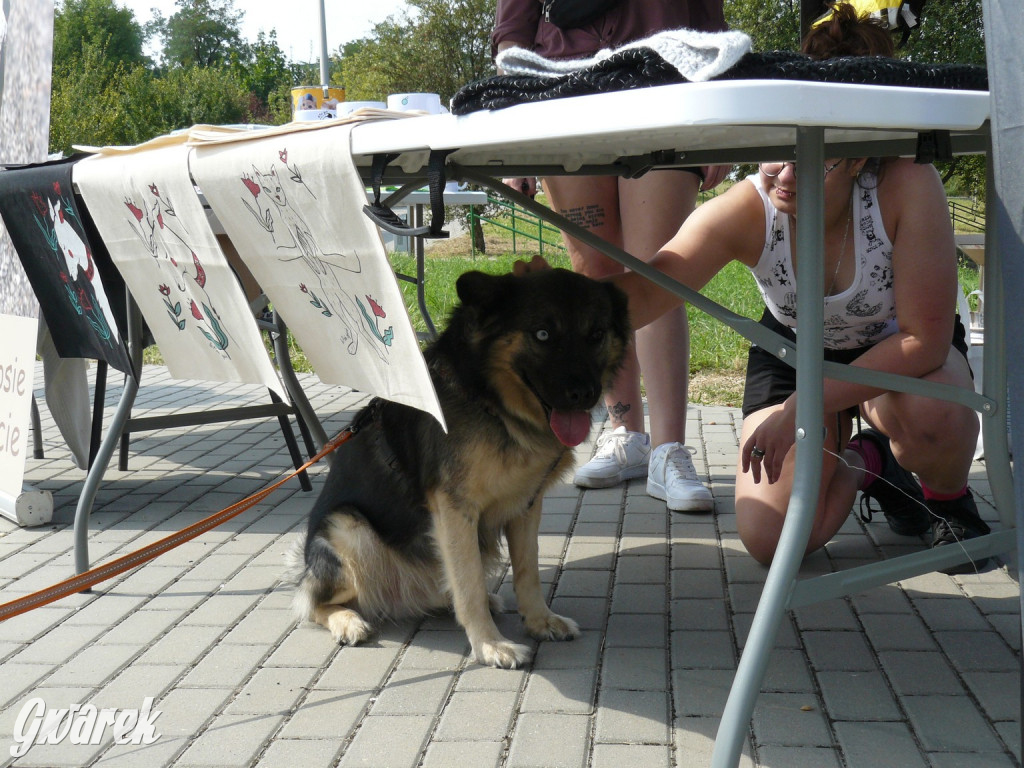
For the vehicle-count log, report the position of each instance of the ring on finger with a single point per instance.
(756, 453)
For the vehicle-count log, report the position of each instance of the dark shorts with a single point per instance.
(770, 381)
(696, 170)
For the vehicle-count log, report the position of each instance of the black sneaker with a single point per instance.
(957, 520)
(896, 491)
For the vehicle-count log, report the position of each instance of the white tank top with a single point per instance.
(861, 315)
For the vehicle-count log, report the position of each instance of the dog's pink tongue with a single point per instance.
(570, 427)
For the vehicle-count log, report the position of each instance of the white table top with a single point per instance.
(694, 118)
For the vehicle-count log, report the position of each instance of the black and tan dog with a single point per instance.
(410, 518)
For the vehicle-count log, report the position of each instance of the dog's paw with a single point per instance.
(348, 627)
(552, 627)
(502, 654)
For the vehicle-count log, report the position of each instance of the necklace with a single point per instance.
(842, 250)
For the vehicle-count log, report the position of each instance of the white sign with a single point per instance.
(17, 367)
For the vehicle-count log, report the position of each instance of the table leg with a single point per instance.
(92, 481)
(421, 277)
(796, 530)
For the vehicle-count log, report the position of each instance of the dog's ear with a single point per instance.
(479, 288)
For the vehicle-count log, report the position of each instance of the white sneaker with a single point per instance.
(620, 455)
(673, 479)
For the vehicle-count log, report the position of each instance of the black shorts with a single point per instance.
(770, 381)
(696, 170)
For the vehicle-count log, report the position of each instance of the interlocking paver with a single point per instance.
(633, 717)
(414, 692)
(839, 650)
(857, 696)
(230, 740)
(790, 720)
(922, 673)
(636, 630)
(271, 691)
(550, 740)
(388, 742)
(474, 716)
(288, 753)
(443, 754)
(997, 692)
(788, 671)
(950, 724)
(181, 645)
(915, 673)
(974, 651)
(560, 691)
(225, 666)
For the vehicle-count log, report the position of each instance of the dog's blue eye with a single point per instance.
(542, 335)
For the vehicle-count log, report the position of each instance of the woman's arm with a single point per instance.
(515, 23)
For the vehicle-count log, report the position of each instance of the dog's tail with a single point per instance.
(315, 570)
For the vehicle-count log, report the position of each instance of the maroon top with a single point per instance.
(522, 22)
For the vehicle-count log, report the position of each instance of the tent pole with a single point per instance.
(325, 61)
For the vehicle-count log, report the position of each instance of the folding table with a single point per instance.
(630, 132)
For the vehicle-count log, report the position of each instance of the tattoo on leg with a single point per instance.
(586, 216)
(617, 414)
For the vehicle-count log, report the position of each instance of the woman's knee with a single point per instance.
(928, 426)
(759, 528)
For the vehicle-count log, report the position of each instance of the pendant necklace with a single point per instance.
(842, 250)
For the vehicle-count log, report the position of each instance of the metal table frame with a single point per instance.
(799, 121)
(122, 418)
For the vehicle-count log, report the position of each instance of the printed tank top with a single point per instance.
(861, 315)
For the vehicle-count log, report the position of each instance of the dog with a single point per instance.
(410, 518)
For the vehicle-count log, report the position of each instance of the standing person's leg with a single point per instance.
(653, 207)
(593, 203)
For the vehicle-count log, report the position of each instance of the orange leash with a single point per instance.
(84, 581)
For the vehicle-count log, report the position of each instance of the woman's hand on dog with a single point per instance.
(536, 264)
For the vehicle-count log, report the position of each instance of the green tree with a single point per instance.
(951, 31)
(201, 33)
(261, 67)
(436, 46)
(264, 71)
(81, 24)
(187, 97)
(78, 119)
(129, 106)
(773, 25)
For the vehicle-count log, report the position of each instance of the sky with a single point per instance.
(296, 21)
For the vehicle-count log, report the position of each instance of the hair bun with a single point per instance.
(846, 32)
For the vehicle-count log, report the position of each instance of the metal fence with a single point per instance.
(522, 225)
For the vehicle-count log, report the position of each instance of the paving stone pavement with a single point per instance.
(922, 673)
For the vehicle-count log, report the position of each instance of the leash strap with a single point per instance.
(84, 581)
